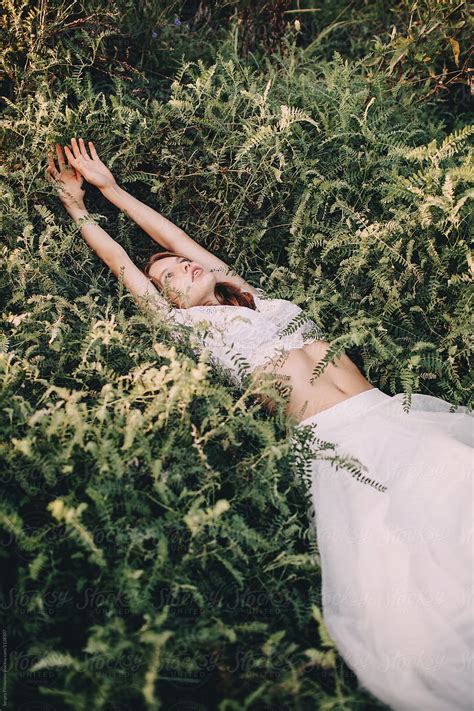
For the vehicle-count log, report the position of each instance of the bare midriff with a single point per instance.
(340, 380)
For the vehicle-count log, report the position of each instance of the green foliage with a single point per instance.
(422, 46)
(154, 517)
(148, 503)
(58, 41)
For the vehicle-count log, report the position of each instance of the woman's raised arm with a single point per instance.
(71, 194)
(168, 235)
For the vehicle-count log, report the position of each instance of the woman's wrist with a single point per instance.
(111, 192)
(76, 210)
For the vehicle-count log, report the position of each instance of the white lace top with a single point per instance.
(241, 339)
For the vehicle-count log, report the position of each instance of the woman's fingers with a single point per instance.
(70, 157)
(93, 151)
(51, 172)
(75, 148)
(59, 153)
(51, 167)
(83, 149)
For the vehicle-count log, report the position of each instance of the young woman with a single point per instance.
(396, 554)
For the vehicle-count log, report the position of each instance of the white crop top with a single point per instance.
(242, 339)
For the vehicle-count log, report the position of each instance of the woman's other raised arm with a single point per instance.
(114, 255)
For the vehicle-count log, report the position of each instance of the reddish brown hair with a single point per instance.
(225, 292)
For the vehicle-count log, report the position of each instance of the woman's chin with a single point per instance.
(199, 293)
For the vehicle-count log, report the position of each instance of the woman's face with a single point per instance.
(186, 282)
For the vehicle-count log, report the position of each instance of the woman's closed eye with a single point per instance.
(168, 275)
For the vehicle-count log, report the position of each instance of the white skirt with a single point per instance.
(396, 554)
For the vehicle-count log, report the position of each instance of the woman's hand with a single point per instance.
(90, 167)
(67, 181)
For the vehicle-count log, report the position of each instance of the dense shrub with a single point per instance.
(424, 46)
(154, 517)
